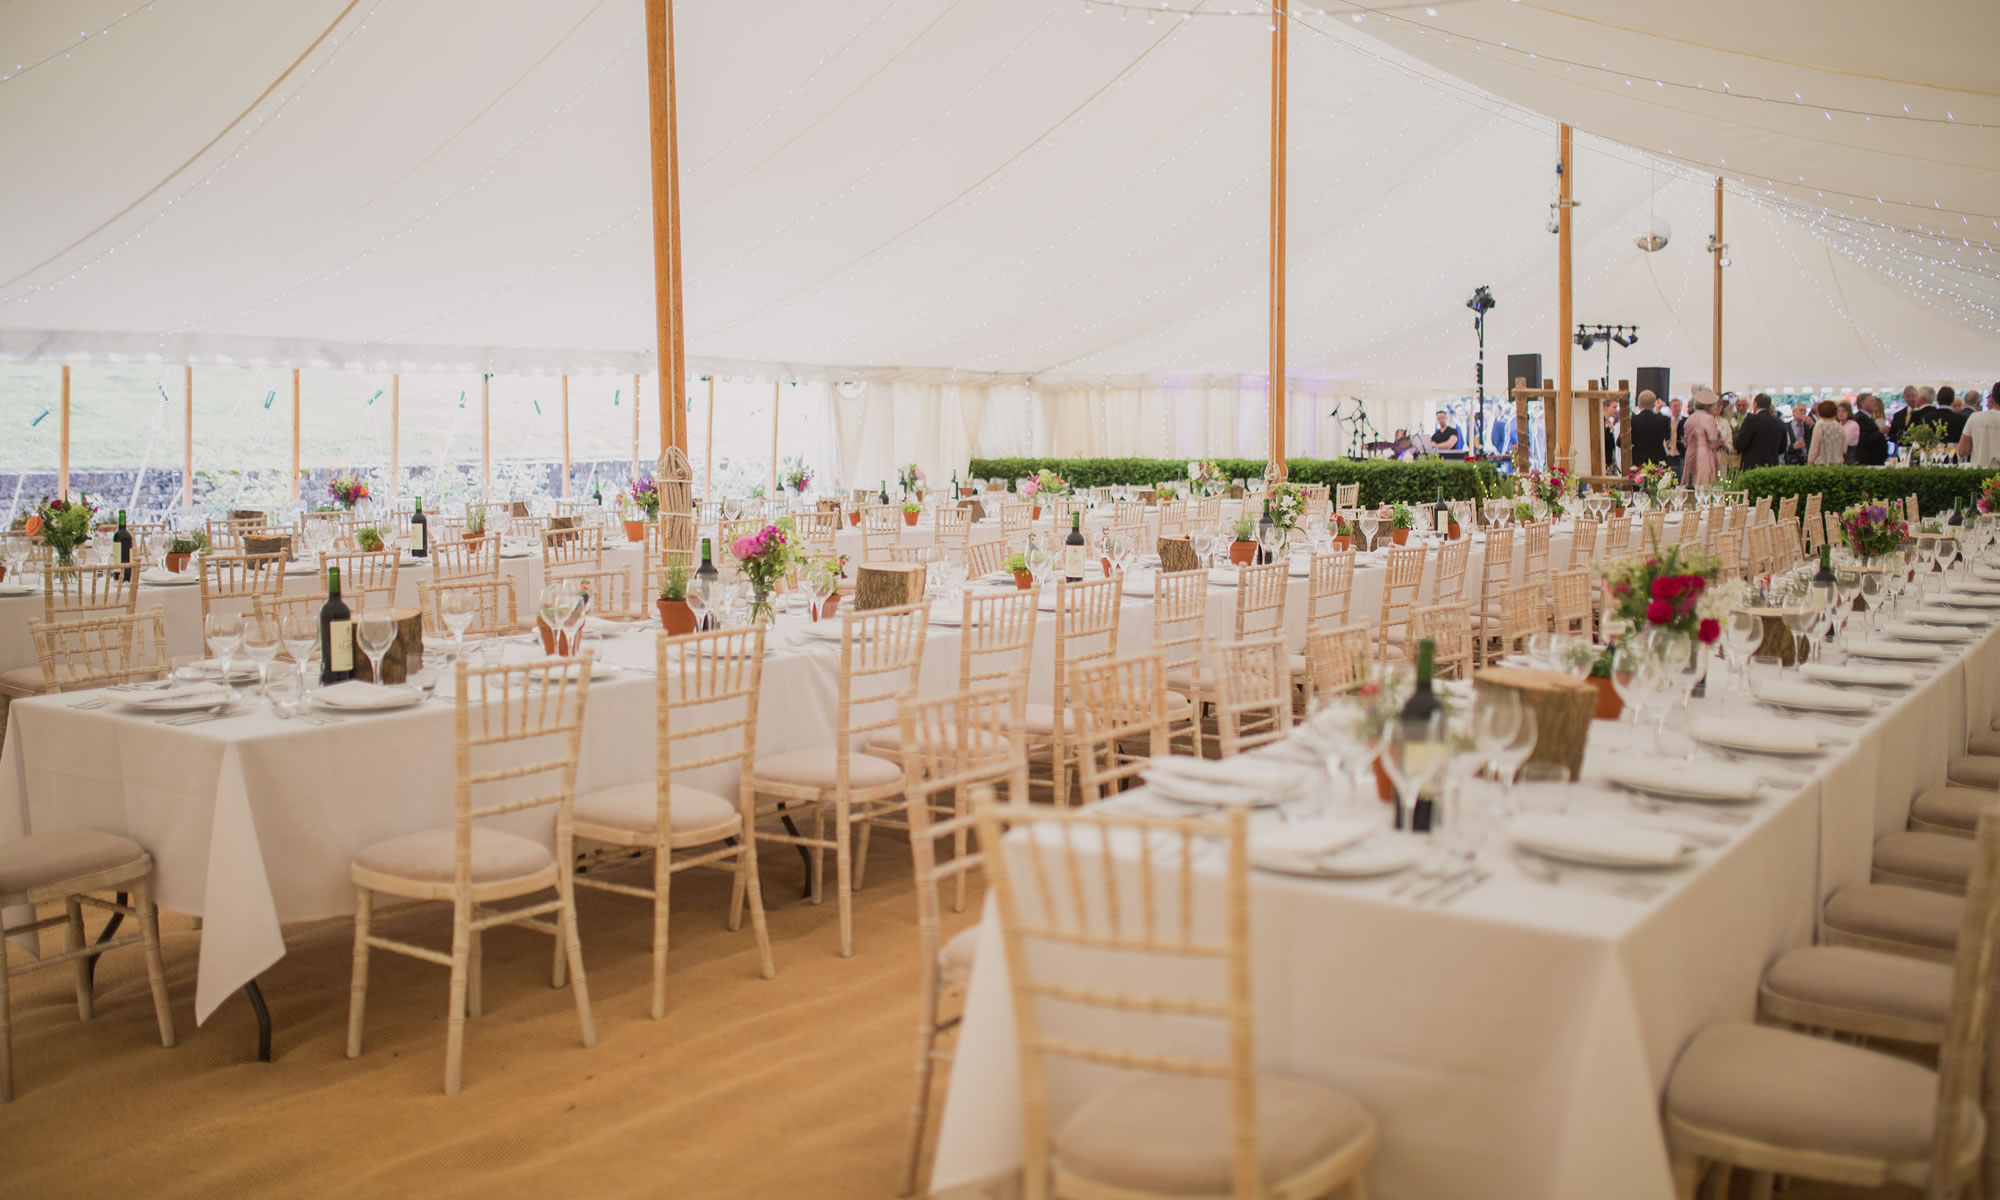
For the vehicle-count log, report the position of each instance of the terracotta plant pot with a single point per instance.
(1024, 580)
(1452, 531)
(553, 643)
(1037, 514)
(175, 563)
(910, 518)
(1242, 554)
(1384, 790)
(675, 617)
(635, 531)
(966, 493)
(1399, 536)
(854, 518)
(1609, 706)
(828, 608)
(1343, 542)
(474, 538)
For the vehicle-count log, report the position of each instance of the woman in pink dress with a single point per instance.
(1704, 439)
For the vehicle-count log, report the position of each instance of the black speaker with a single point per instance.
(1520, 366)
(1654, 380)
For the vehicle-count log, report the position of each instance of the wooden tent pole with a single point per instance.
(187, 444)
(62, 450)
(565, 477)
(485, 437)
(1565, 419)
(1280, 23)
(708, 456)
(295, 433)
(1715, 358)
(666, 163)
(395, 435)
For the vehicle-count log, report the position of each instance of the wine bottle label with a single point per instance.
(417, 538)
(340, 645)
(1073, 561)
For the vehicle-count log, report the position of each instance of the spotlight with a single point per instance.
(1482, 299)
(1585, 341)
(1625, 339)
(1555, 221)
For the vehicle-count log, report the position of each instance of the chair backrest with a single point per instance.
(1520, 615)
(1260, 599)
(1173, 518)
(953, 748)
(1788, 550)
(1072, 883)
(984, 558)
(1128, 512)
(1496, 570)
(1962, 1058)
(1618, 535)
(1015, 518)
(1762, 514)
(1400, 585)
(1337, 659)
(1086, 632)
(1535, 558)
(369, 574)
(493, 605)
(1330, 589)
(881, 653)
(1346, 495)
(1449, 586)
(1729, 553)
(517, 748)
(1253, 693)
(88, 591)
(1653, 530)
(1570, 609)
(997, 637)
(610, 589)
(953, 525)
(464, 560)
(229, 577)
(283, 609)
(1449, 629)
(1788, 509)
(1207, 512)
(1063, 508)
(705, 706)
(1122, 700)
(578, 546)
(881, 528)
(94, 651)
(1180, 619)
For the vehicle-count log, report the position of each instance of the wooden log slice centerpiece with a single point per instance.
(1563, 705)
(888, 585)
(404, 655)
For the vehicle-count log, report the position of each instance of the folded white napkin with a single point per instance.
(1807, 695)
(1307, 840)
(1910, 632)
(1984, 585)
(1946, 616)
(1596, 841)
(1968, 599)
(161, 577)
(1225, 576)
(1858, 673)
(1745, 733)
(180, 695)
(1210, 781)
(1706, 781)
(1893, 651)
(356, 694)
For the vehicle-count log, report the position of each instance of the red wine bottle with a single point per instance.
(336, 634)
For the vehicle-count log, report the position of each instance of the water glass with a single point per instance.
(1543, 787)
(285, 688)
(261, 641)
(1764, 671)
(224, 635)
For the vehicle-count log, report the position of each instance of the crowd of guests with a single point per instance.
(1757, 433)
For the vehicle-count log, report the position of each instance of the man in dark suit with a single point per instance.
(1650, 430)
(1954, 414)
(1762, 437)
(1800, 430)
(1899, 425)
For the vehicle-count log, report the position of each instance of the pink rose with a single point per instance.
(744, 547)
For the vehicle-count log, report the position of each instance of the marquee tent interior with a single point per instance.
(989, 206)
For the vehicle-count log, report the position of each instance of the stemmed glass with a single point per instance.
(224, 633)
(1507, 760)
(1742, 632)
(1201, 541)
(261, 641)
(1271, 538)
(1346, 725)
(458, 610)
(301, 635)
(1496, 717)
(1413, 752)
(1368, 523)
(374, 633)
(815, 589)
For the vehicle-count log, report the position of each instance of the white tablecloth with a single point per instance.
(1515, 1044)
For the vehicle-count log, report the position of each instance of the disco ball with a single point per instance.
(1655, 236)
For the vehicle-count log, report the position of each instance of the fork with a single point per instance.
(1721, 816)
(213, 713)
(1547, 872)
(96, 703)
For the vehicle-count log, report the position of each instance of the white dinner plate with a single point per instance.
(161, 577)
(209, 670)
(14, 589)
(1905, 631)
(827, 629)
(1759, 736)
(1813, 698)
(1709, 783)
(1858, 674)
(1893, 651)
(599, 669)
(355, 696)
(1376, 856)
(299, 569)
(1598, 843)
(1979, 587)
(180, 698)
(1945, 616)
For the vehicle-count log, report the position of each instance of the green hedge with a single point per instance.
(1936, 488)
(1382, 481)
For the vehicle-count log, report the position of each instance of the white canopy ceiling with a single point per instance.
(952, 189)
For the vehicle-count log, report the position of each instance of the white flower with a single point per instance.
(1194, 470)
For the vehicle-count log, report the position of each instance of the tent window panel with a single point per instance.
(242, 437)
(742, 435)
(343, 430)
(30, 397)
(124, 435)
(527, 436)
(441, 447)
(600, 432)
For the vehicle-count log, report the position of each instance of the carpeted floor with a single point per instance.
(795, 1087)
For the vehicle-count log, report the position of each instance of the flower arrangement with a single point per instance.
(1204, 477)
(1989, 494)
(911, 476)
(765, 556)
(1166, 492)
(347, 490)
(1552, 487)
(1045, 484)
(1652, 479)
(1287, 505)
(63, 525)
(1666, 590)
(1872, 529)
(1923, 438)
(825, 570)
(799, 478)
(645, 492)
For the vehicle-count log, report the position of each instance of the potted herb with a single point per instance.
(182, 547)
(1401, 521)
(1243, 550)
(1524, 513)
(1343, 537)
(1018, 564)
(854, 516)
(475, 522)
(675, 615)
(835, 566)
(368, 538)
(911, 511)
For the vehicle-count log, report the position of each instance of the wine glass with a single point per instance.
(1508, 760)
(1355, 738)
(1628, 665)
(1201, 540)
(1742, 632)
(1496, 716)
(1802, 618)
(374, 633)
(261, 640)
(815, 589)
(458, 610)
(285, 689)
(224, 633)
(1369, 523)
(1413, 752)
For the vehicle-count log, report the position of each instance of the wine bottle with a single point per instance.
(597, 494)
(419, 544)
(123, 540)
(1264, 528)
(1420, 710)
(336, 634)
(883, 498)
(1441, 518)
(954, 483)
(1822, 590)
(1073, 549)
(705, 581)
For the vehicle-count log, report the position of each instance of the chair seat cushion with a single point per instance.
(1983, 743)
(1953, 807)
(1913, 916)
(1864, 981)
(42, 860)
(429, 857)
(23, 681)
(1974, 770)
(1804, 1093)
(818, 767)
(1188, 681)
(1939, 858)
(955, 957)
(1041, 719)
(1172, 1135)
(1179, 705)
(635, 808)
(888, 743)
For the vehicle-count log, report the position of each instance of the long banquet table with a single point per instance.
(1516, 1042)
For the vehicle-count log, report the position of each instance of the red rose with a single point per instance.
(1659, 612)
(1709, 630)
(1694, 583)
(1666, 587)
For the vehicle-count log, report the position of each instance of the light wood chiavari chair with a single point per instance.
(1260, 600)
(303, 608)
(1618, 535)
(92, 652)
(881, 529)
(1086, 633)
(89, 591)
(953, 526)
(984, 558)
(1583, 541)
(1729, 553)
(1788, 550)
(1347, 495)
(1449, 586)
(370, 575)
(238, 577)
(1653, 530)
(564, 549)
(1330, 589)
(1761, 515)
(1180, 642)
(493, 606)
(1520, 616)
(1815, 529)
(1400, 584)
(1080, 888)
(1449, 630)
(610, 590)
(1496, 574)
(1015, 519)
(453, 561)
(1535, 548)
(1911, 512)
(524, 741)
(1061, 508)
(816, 530)
(1126, 702)
(1570, 609)
(881, 652)
(1128, 513)
(1788, 509)
(1173, 518)
(1207, 512)
(1337, 659)
(1253, 693)
(705, 705)
(1757, 552)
